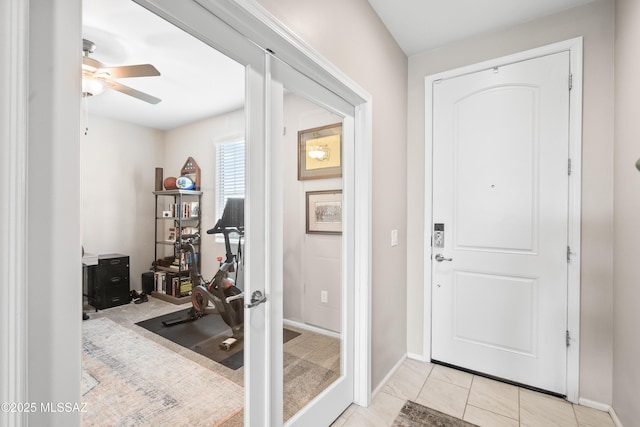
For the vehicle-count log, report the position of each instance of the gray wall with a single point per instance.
(594, 21)
(626, 350)
(350, 34)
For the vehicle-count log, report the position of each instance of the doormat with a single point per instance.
(203, 336)
(416, 415)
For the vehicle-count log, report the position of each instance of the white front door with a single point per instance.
(500, 221)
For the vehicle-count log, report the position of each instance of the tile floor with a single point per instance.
(469, 397)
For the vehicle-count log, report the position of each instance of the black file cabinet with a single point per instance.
(108, 286)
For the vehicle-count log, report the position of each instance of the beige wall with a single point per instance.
(595, 22)
(198, 140)
(350, 34)
(626, 350)
(118, 168)
(117, 163)
(312, 261)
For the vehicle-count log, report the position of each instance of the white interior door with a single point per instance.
(267, 79)
(500, 221)
(323, 360)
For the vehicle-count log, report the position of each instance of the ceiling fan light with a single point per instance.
(92, 87)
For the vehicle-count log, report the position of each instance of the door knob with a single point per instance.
(256, 299)
(440, 258)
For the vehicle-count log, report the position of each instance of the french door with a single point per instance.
(269, 82)
(320, 261)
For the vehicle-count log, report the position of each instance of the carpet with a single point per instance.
(303, 381)
(203, 336)
(123, 385)
(416, 415)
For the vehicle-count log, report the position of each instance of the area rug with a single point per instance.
(203, 336)
(128, 380)
(303, 381)
(416, 415)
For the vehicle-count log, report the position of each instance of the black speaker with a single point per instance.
(147, 282)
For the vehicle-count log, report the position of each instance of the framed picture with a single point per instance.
(320, 152)
(324, 212)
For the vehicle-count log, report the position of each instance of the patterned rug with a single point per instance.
(122, 385)
(415, 415)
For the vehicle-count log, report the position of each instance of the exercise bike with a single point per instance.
(224, 291)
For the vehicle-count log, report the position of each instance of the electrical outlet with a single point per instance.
(324, 297)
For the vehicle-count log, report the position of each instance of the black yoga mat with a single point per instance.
(203, 336)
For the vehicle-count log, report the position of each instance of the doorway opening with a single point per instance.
(128, 209)
(179, 144)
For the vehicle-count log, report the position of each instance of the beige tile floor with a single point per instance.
(469, 397)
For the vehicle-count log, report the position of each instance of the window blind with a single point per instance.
(229, 173)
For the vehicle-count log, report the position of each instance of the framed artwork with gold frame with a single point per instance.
(320, 152)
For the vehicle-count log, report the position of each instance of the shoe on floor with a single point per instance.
(142, 298)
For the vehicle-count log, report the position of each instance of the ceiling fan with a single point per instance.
(96, 76)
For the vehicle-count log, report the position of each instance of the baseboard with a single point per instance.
(418, 357)
(615, 418)
(601, 407)
(310, 328)
(594, 405)
(388, 377)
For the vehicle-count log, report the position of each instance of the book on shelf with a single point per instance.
(177, 284)
(171, 235)
(160, 282)
(195, 209)
(185, 209)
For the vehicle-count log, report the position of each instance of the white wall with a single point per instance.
(198, 140)
(53, 281)
(594, 21)
(626, 351)
(312, 262)
(118, 178)
(351, 36)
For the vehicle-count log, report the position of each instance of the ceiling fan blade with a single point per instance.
(90, 64)
(132, 92)
(141, 70)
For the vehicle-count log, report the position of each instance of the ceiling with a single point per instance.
(197, 81)
(419, 25)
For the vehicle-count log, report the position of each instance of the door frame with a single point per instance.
(575, 48)
(54, 104)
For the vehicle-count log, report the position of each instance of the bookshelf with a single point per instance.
(178, 212)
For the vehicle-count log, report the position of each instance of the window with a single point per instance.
(229, 173)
